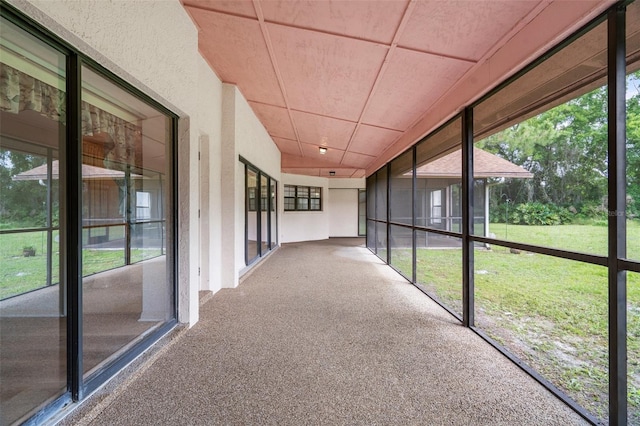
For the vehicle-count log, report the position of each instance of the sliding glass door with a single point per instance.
(86, 223)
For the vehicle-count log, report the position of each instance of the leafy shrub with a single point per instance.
(539, 214)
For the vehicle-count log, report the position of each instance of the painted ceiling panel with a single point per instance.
(326, 74)
(411, 83)
(455, 28)
(307, 171)
(411, 63)
(367, 20)
(241, 8)
(238, 53)
(372, 140)
(275, 119)
(323, 131)
(287, 146)
(359, 161)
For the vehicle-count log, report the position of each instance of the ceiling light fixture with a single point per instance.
(332, 173)
(323, 150)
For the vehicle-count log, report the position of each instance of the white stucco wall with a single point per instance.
(343, 212)
(209, 122)
(305, 226)
(343, 183)
(343, 206)
(243, 135)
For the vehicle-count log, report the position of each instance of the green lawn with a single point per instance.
(581, 238)
(19, 274)
(550, 312)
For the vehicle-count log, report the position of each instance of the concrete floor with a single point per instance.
(323, 333)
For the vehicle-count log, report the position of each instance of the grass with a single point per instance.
(550, 312)
(586, 238)
(20, 274)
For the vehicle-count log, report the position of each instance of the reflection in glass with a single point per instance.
(33, 368)
(439, 268)
(552, 313)
(252, 215)
(633, 131)
(127, 291)
(401, 245)
(542, 151)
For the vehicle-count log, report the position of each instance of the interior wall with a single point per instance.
(343, 212)
(343, 206)
(305, 225)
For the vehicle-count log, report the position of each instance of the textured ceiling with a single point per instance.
(367, 78)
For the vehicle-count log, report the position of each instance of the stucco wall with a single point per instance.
(343, 212)
(242, 135)
(305, 226)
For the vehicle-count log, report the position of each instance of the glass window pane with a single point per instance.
(401, 246)
(126, 154)
(439, 179)
(315, 204)
(289, 203)
(547, 165)
(552, 313)
(439, 268)
(274, 215)
(32, 127)
(303, 191)
(362, 212)
(264, 214)
(633, 131)
(371, 235)
(252, 217)
(381, 240)
(315, 192)
(371, 197)
(381, 194)
(303, 204)
(289, 191)
(402, 188)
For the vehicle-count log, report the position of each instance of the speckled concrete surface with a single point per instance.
(323, 333)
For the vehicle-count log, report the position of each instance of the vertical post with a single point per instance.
(388, 213)
(467, 219)
(73, 223)
(617, 217)
(128, 200)
(414, 271)
(49, 215)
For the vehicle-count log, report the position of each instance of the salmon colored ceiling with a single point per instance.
(368, 78)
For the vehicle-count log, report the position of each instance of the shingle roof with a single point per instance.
(485, 165)
(88, 172)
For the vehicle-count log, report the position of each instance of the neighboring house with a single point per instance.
(439, 191)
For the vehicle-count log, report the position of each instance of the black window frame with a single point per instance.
(313, 193)
(80, 386)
